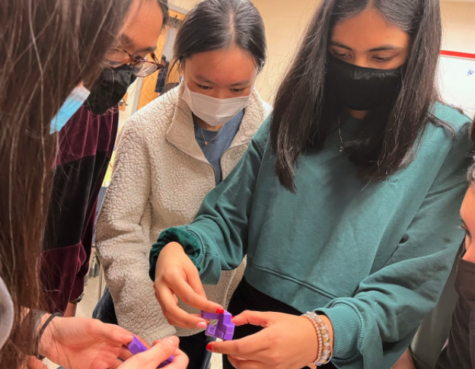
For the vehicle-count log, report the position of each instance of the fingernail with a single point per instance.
(127, 337)
(209, 347)
(219, 311)
(201, 325)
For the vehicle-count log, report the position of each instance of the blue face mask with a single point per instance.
(69, 108)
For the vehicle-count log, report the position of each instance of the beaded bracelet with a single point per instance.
(319, 341)
(324, 342)
(327, 346)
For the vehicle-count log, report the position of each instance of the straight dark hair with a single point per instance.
(305, 112)
(219, 24)
(48, 47)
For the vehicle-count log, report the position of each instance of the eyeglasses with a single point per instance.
(143, 67)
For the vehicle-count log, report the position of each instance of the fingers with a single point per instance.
(152, 358)
(180, 361)
(177, 276)
(185, 292)
(109, 332)
(116, 364)
(194, 280)
(181, 318)
(145, 343)
(249, 348)
(125, 354)
(254, 318)
(174, 314)
(246, 364)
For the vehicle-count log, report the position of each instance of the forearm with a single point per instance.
(71, 310)
(137, 309)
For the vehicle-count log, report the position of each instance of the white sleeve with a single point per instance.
(122, 237)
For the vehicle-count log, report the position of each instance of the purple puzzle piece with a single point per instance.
(223, 329)
(225, 326)
(210, 316)
(166, 362)
(136, 347)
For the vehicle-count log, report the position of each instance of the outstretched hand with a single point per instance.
(176, 276)
(286, 342)
(160, 352)
(80, 343)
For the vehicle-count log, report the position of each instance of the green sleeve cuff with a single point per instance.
(347, 328)
(190, 243)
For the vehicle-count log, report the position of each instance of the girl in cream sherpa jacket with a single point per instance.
(160, 179)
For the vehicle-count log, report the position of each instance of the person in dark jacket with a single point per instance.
(162, 76)
(86, 144)
(460, 351)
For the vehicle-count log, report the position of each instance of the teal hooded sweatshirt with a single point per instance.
(372, 256)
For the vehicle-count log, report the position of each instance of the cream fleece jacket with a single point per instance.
(160, 178)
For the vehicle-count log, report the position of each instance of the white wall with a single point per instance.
(285, 22)
(185, 5)
(459, 26)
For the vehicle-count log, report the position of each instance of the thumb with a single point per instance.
(109, 332)
(152, 358)
(254, 318)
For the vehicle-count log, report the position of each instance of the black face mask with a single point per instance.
(109, 89)
(464, 281)
(360, 88)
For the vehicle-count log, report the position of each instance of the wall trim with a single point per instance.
(457, 54)
(178, 9)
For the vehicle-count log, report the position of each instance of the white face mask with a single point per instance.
(215, 112)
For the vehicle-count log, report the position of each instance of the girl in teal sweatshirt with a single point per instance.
(346, 203)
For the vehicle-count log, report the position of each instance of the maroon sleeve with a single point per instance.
(85, 147)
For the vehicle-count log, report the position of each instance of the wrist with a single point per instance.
(329, 325)
(323, 330)
(311, 337)
(47, 338)
(173, 247)
(170, 253)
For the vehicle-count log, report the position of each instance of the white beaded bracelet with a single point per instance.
(313, 365)
(324, 341)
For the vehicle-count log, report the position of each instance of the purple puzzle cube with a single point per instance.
(136, 347)
(210, 316)
(223, 329)
(166, 362)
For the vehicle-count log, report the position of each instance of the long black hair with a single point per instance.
(305, 112)
(219, 24)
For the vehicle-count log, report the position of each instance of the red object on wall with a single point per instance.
(457, 54)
